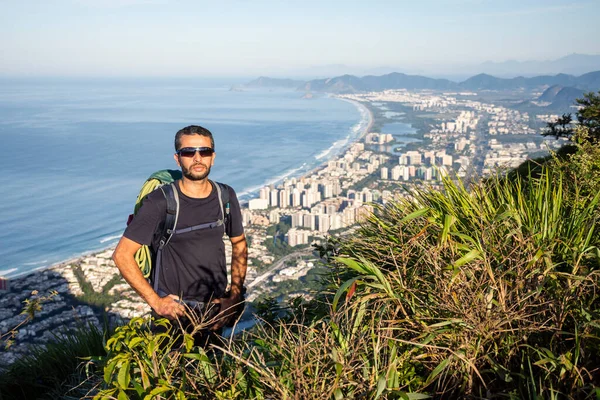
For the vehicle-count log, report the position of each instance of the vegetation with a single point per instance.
(489, 292)
(588, 116)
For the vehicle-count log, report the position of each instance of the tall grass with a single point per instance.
(495, 288)
(485, 292)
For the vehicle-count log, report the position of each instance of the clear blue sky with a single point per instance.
(248, 38)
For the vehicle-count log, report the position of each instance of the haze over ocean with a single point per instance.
(75, 153)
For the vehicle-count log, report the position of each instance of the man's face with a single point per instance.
(195, 168)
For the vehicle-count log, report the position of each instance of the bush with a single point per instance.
(493, 291)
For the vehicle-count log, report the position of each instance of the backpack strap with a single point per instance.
(172, 197)
(223, 193)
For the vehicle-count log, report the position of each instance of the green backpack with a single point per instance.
(164, 180)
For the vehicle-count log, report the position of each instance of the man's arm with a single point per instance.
(239, 264)
(125, 261)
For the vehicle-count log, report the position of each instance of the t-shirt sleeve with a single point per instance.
(142, 227)
(234, 227)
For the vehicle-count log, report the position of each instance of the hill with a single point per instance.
(565, 97)
(353, 84)
(264, 81)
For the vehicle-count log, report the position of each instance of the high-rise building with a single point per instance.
(284, 198)
(384, 173)
(397, 172)
(264, 193)
(367, 195)
(274, 216)
(331, 209)
(274, 200)
(308, 221)
(258, 204)
(323, 221)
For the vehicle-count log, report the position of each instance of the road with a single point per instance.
(278, 265)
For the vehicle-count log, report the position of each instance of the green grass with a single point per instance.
(51, 371)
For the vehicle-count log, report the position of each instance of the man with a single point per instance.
(193, 265)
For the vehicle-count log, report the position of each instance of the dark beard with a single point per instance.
(187, 172)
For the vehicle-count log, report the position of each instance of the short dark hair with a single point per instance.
(193, 130)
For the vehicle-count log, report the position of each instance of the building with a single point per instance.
(4, 286)
(258, 204)
(384, 173)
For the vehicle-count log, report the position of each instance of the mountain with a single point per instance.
(395, 80)
(590, 81)
(264, 81)
(352, 84)
(560, 97)
(573, 64)
(550, 93)
(565, 98)
(489, 82)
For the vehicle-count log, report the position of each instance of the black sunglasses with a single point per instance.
(191, 151)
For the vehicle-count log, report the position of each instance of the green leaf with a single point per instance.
(189, 342)
(415, 214)
(122, 396)
(156, 391)
(416, 396)
(449, 220)
(381, 385)
(444, 323)
(441, 366)
(135, 341)
(139, 389)
(109, 369)
(470, 256)
(337, 393)
(343, 288)
(353, 264)
(197, 356)
(124, 377)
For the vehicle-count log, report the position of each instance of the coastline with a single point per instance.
(89, 286)
(366, 116)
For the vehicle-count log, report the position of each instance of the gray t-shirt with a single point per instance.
(193, 263)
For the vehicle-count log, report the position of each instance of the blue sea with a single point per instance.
(74, 153)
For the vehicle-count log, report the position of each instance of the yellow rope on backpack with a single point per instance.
(143, 256)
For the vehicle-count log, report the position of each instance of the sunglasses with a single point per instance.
(190, 152)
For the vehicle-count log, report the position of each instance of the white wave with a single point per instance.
(29, 264)
(360, 128)
(109, 238)
(5, 272)
(336, 145)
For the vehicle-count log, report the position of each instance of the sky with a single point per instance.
(183, 38)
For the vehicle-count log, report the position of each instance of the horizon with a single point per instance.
(150, 38)
(225, 80)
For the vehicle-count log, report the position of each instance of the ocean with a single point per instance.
(74, 153)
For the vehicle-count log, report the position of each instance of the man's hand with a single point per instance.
(231, 308)
(168, 307)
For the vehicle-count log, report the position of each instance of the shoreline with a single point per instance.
(360, 134)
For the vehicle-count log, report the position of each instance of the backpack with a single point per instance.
(164, 181)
